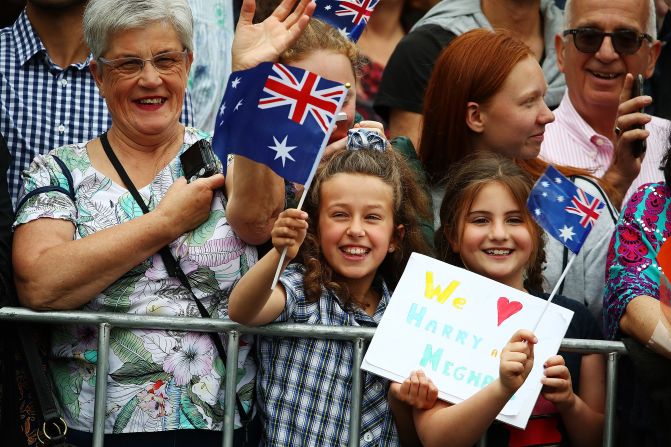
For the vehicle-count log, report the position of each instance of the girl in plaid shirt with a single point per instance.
(364, 208)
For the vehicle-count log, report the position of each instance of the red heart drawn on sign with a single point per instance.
(507, 308)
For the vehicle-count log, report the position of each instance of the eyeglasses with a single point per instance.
(164, 63)
(625, 41)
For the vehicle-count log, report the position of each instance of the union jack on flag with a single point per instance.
(586, 209)
(565, 211)
(302, 96)
(349, 16)
(278, 115)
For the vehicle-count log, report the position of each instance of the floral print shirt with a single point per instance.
(158, 380)
(632, 269)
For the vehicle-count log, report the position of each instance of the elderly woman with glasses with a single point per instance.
(112, 225)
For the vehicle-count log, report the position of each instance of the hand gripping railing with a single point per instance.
(357, 335)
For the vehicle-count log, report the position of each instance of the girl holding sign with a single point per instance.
(486, 227)
(364, 209)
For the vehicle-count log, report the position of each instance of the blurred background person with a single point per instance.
(407, 73)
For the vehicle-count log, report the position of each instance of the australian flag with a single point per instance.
(565, 211)
(277, 115)
(348, 16)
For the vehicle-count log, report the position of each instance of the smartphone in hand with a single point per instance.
(638, 147)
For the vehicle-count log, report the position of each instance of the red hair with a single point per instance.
(473, 67)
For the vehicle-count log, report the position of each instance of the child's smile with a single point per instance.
(356, 226)
(495, 239)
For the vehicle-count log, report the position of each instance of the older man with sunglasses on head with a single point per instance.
(605, 44)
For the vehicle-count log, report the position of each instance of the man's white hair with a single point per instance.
(650, 27)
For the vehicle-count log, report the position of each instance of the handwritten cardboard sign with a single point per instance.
(453, 324)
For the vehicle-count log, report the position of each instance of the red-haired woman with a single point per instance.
(486, 94)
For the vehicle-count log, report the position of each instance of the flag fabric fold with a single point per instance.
(350, 17)
(565, 211)
(278, 115)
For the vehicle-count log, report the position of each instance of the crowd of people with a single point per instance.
(99, 98)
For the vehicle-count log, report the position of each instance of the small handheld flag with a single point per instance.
(278, 115)
(565, 211)
(348, 16)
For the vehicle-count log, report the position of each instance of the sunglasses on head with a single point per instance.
(625, 41)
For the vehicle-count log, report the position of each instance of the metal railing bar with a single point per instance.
(225, 325)
(358, 335)
(355, 410)
(229, 387)
(185, 324)
(611, 395)
(102, 368)
(603, 346)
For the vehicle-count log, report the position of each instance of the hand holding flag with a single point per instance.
(280, 116)
(566, 212)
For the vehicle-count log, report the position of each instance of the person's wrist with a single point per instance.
(503, 390)
(566, 406)
(167, 227)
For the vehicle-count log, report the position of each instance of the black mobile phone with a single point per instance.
(638, 147)
(198, 161)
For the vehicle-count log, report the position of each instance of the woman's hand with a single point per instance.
(187, 205)
(265, 41)
(417, 391)
(289, 231)
(557, 386)
(517, 359)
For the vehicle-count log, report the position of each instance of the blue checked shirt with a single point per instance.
(43, 106)
(304, 385)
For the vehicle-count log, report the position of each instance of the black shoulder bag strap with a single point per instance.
(172, 266)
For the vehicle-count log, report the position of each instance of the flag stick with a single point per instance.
(554, 291)
(306, 187)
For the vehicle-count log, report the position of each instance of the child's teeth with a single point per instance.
(499, 252)
(356, 251)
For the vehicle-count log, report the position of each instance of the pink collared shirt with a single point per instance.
(570, 141)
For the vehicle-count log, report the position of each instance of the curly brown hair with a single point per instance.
(461, 188)
(410, 206)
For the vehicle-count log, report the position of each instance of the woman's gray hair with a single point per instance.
(650, 26)
(102, 18)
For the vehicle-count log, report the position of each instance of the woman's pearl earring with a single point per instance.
(391, 249)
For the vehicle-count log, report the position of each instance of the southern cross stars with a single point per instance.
(282, 150)
(566, 233)
(235, 82)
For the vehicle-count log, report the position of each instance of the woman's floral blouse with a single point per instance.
(158, 380)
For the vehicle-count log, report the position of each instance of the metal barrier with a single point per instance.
(357, 335)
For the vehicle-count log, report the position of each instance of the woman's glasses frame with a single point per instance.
(164, 63)
(625, 41)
